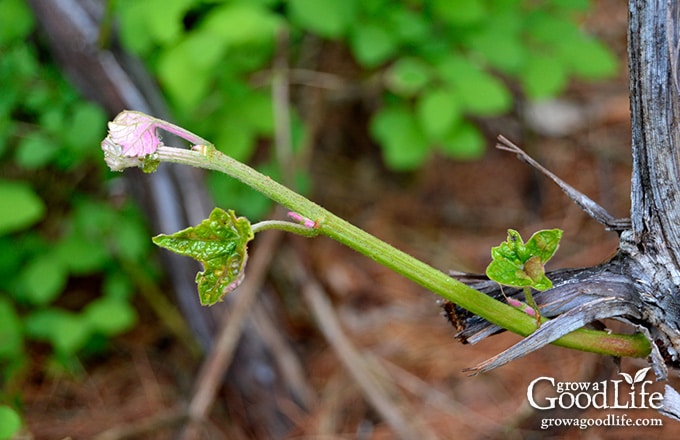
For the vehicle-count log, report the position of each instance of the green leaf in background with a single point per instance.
(460, 12)
(235, 140)
(576, 5)
(543, 77)
(91, 122)
(131, 238)
(165, 23)
(80, 254)
(438, 111)
(328, 18)
(110, 316)
(500, 45)
(42, 279)
(588, 58)
(408, 26)
(247, 114)
(185, 68)
(548, 28)
(478, 92)
(219, 244)
(242, 23)
(407, 76)
(229, 192)
(20, 207)
(11, 335)
(10, 422)
(66, 331)
(372, 44)
(35, 150)
(118, 285)
(257, 109)
(16, 21)
(463, 142)
(150, 22)
(405, 146)
(522, 265)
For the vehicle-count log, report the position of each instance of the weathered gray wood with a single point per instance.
(652, 246)
(641, 284)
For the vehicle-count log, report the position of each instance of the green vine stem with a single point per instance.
(330, 225)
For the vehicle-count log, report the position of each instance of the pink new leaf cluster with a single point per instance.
(133, 138)
(135, 132)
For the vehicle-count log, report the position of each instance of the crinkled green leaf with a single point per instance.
(508, 273)
(219, 243)
(520, 264)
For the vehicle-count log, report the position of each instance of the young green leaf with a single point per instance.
(543, 244)
(520, 264)
(219, 244)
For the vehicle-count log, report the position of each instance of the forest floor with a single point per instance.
(449, 214)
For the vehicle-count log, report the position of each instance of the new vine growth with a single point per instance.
(519, 264)
(220, 242)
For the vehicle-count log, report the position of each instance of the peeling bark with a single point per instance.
(641, 284)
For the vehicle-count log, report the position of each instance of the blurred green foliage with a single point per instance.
(440, 62)
(58, 231)
(10, 422)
